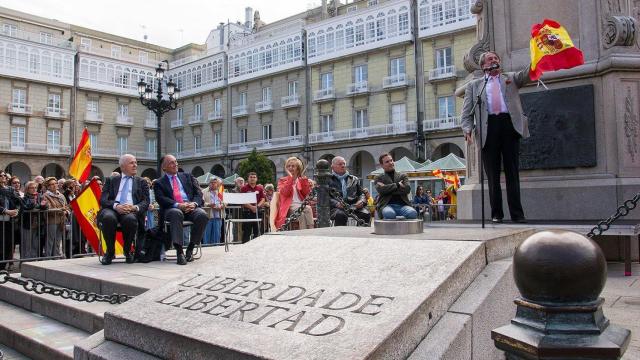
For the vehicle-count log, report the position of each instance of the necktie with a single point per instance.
(176, 189)
(496, 96)
(125, 190)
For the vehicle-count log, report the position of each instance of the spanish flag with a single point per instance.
(80, 167)
(85, 208)
(552, 49)
(449, 179)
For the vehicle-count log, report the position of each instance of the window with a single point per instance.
(292, 88)
(243, 99)
(443, 58)
(93, 140)
(326, 81)
(150, 145)
(34, 63)
(372, 2)
(179, 145)
(92, 106)
(294, 128)
(46, 38)
(403, 23)
(360, 119)
(18, 136)
(115, 51)
(179, 114)
(85, 44)
(217, 106)
(197, 143)
(397, 67)
(19, 98)
(143, 57)
(360, 74)
(266, 132)
(53, 140)
(123, 110)
(243, 135)
(10, 30)
(266, 94)
(122, 145)
(359, 33)
(53, 104)
(446, 107)
(351, 9)
(197, 111)
(398, 113)
(217, 140)
(326, 123)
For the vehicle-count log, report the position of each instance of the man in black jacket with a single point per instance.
(349, 188)
(393, 190)
(9, 203)
(124, 200)
(180, 198)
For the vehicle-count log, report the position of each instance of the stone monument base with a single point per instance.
(397, 227)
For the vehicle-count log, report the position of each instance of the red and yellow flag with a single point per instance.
(449, 179)
(80, 167)
(85, 208)
(552, 49)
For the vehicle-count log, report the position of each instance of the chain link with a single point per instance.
(298, 212)
(78, 295)
(622, 211)
(345, 207)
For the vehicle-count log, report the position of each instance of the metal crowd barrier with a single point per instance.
(437, 212)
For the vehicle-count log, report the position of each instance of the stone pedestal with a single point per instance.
(397, 227)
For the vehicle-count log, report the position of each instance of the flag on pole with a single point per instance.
(449, 179)
(80, 167)
(552, 49)
(85, 209)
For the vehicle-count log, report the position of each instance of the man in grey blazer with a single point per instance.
(503, 124)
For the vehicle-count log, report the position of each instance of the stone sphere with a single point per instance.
(559, 266)
(323, 164)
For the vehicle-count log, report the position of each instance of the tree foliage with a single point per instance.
(257, 162)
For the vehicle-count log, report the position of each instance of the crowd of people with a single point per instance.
(37, 217)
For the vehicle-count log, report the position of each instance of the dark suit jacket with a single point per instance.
(139, 194)
(163, 191)
(354, 190)
(390, 187)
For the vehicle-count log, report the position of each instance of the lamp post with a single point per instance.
(158, 105)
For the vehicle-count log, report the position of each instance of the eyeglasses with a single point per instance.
(16, 183)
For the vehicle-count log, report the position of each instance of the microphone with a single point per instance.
(491, 68)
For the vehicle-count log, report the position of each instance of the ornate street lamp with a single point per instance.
(158, 105)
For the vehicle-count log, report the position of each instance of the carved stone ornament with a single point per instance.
(472, 57)
(631, 126)
(619, 31)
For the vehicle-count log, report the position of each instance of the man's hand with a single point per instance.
(359, 205)
(468, 138)
(122, 209)
(379, 184)
(339, 206)
(11, 213)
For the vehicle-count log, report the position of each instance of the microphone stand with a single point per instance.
(478, 104)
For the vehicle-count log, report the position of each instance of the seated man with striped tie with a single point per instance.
(124, 200)
(180, 199)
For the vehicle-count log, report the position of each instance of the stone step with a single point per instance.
(37, 336)
(7, 353)
(82, 315)
(97, 347)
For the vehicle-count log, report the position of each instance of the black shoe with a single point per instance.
(496, 220)
(520, 221)
(106, 259)
(181, 260)
(129, 259)
(189, 256)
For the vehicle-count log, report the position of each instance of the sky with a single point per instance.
(173, 25)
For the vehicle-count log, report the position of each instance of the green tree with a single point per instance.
(260, 164)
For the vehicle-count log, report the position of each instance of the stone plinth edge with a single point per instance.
(397, 227)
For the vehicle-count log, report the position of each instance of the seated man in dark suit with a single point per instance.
(180, 198)
(124, 200)
(348, 186)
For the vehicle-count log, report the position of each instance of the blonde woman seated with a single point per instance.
(213, 199)
(292, 190)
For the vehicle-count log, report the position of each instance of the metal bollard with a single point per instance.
(560, 275)
(324, 206)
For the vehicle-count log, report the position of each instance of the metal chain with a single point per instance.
(78, 295)
(622, 211)
(298, 212)
(346, 207)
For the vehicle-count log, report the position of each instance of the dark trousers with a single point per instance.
(175, 217)
(8, 242)
(502, 146)
(109, 219)
(249, 227)
(340, 217)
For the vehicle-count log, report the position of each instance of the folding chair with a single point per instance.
(236, 200)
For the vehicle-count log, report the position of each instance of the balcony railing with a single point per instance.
(55, 113)
(195, 120)
(36, 37)
(124, 120)
(208, 151)
(324, 94)
(290, 101)
(240, 110)
(151, 123)
(31, 148)
(264, 106)
(364, 132)
(266, 144)
(177, 123)
(452, 122)
(113, 152)
(20, 109)
(215, 116)
(93, 117)
(361, 87)
(393, 81)
(442, 73)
